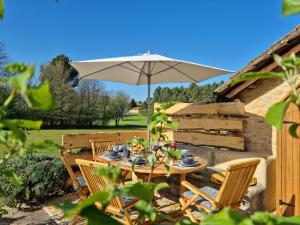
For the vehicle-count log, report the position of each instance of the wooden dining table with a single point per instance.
(145, 170)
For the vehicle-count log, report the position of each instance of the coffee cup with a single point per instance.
(188, 160)
(126, 153)
(186, 155)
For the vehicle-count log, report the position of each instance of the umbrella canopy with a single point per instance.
(145, 69)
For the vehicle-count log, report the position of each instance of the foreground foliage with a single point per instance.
(39, 177)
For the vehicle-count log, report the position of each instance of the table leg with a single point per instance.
(134, 176)
(181, 178)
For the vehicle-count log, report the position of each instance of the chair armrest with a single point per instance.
(197, 191)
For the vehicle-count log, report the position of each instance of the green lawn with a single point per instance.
(134, 122)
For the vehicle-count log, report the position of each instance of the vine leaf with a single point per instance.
(1, 9)
(160, 186)
(290, 7)
(293, 130)
(97, 217)
(258, 75)
(140, 190)
(40, 97)
(276, 114)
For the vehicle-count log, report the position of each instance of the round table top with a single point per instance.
(160, 170)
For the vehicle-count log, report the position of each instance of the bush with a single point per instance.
(40, 177)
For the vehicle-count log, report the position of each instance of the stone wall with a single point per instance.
(259, 136)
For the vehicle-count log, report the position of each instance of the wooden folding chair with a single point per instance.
(100, 146)
(230, 194)
(68, 158)
(118, 207)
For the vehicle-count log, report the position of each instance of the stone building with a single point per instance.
(135, 110)
(258, 96)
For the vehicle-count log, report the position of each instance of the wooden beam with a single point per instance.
(270, 67)
(227, 108)
(209, 124)
(210, 140)
(70, 141)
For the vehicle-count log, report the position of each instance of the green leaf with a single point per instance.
(140, 190)
(258, 75)
(174, 154)
(40, 97)
(295, 220)
(20, 80)
(186, 222)
(168, 170)
(67, 207)
(275, 114)
(262, 218)
(293, 130)
(277, 59)
(146, 210)
(227, 217)
(1, 9)
(290, 7)
(112, 174)
(17, 180)
(172, 124)
(71, 209)
(30, 124)
(160, 186)
(97, 217)
(12, 125)
(104, 197)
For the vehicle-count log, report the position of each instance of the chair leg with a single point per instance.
(187, 210)
(191, 216)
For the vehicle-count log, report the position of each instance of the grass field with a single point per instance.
(135, 122)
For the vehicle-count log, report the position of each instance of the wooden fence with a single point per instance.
(70, 141)
(218, 124)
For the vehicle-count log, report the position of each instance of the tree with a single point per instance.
(133, 103)
(120, 104)
(62, 79)
(192, 94)
(105, 101)
(156, 94)
(89, 107)
(165, 94)
(68, 73)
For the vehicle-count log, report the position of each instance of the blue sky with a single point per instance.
(218, 33)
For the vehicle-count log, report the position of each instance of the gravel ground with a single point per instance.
(27, 216)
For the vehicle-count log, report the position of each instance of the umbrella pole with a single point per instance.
(148, 111)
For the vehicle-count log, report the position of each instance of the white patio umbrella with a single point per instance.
(145, 69)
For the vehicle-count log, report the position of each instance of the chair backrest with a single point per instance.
(100, 146)
(94, 181)
(236, 183)
(69, 158)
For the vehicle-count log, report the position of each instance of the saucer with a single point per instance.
(195, 163)
(138, 162)
(111, 156)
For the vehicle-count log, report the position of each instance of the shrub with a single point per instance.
(40, 177)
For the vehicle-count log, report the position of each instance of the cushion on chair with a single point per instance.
(81, 181)
(202, 201)
(126, 199)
